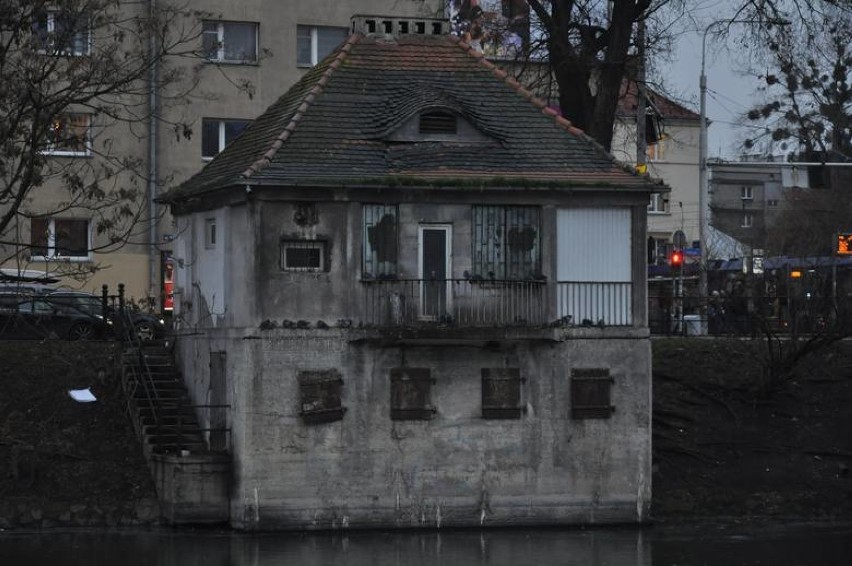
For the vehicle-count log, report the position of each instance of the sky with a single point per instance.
(730, 93)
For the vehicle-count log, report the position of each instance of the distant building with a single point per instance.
(672, 155)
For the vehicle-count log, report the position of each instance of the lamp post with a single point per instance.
(702, 149)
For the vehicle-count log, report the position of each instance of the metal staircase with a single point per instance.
(192, 480)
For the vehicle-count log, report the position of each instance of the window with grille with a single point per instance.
(60, 238)
(506, 242)
(501, 393)
(303, 255)
(590, 393)
(411, 390)
(320, 396)
(381, 240)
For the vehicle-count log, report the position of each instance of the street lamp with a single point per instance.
(702, 148)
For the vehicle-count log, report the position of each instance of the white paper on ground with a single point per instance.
(82, 395)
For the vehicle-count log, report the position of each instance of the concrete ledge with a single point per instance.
(499, 511)
(193, 489)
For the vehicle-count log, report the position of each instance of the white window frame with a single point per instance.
(50, 148)
(301, 245)
(51, 243)
(657, 152)
(658, 204)
(51, 28)
(221, 134)
(314, 43)
(748, 220)
(220, 41)
(746, 192)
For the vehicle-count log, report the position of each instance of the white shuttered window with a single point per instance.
(594, 266)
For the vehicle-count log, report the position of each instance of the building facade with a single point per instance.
(235, 60)
(422, 295)
(672, 155)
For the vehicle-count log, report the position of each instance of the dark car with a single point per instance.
(39, 319)
(147, 326)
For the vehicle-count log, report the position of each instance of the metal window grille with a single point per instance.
(506, 242)
(320, 396)
(381, 241)
(303, 255)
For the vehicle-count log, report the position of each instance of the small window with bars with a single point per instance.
(411, 391)
(590, 393)
(381, 237)
(501, 393)
(304, 255)
(438, 122)
(320, 396)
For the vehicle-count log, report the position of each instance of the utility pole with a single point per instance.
(641, 100)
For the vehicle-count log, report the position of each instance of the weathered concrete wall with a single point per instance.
(455, 469)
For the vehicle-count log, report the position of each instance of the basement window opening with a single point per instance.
(501, 393)
(320, 396)
(590, 393)
(411, 390)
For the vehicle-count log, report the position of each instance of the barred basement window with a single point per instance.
(501, 393)
(320, 396)
(303, 255)
(411, 394)
(590, 393)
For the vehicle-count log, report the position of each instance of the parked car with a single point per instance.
(37, 318)
(147, 326)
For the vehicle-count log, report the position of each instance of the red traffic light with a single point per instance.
(676, 259)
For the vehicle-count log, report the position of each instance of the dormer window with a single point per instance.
(438, 122)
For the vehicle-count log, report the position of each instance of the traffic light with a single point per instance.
(676, 259)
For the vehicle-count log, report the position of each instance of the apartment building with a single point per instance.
(673, 157)
(235, 60)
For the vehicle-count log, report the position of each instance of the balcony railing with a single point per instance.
(595, 303)
(459, 302)
(496, 303)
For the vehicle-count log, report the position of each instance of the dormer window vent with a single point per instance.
(438, 122)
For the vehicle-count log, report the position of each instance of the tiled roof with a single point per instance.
(668, 108)
(334, 127)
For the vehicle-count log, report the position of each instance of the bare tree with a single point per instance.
(75, 79)
(808, 105)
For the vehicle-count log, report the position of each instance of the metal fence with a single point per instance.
(497, 302)
(598, 303)
(462, 302)
(720, 315)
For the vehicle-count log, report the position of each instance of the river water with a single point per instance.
(776, 545)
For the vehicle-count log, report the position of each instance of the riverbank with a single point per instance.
(721, 450)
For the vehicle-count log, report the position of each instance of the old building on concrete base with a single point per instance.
(422, 295)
